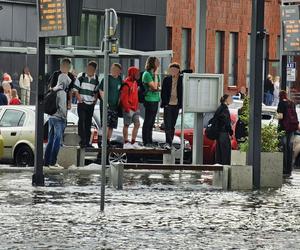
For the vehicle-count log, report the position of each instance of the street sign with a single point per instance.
(291, 72)
(59, 17)
(291, 31)
(202, 92)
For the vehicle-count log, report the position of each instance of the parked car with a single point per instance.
(209, 146)
(158, 139)
(17, 127)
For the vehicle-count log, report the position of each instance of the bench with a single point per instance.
(117, 171)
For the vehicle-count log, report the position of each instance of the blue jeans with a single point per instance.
(56, 131)
(268, 98)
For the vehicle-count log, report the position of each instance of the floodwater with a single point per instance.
(152, 212)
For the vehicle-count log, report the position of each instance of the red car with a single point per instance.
(209, 146)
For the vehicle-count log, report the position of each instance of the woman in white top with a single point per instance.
(276, 91)
(25, 82)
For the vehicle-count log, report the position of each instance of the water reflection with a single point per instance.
(154, 211)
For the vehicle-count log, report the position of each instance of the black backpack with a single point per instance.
(212, 130)
(290, 119)
(50, 102)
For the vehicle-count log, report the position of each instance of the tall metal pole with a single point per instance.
(256, 81)
(105, 102)
(38, 176)
(200, 56)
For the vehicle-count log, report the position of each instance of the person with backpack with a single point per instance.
(288, 125)
(151, 82)
(86, 91)
(241, 127)
(57, 122)
(114, 85)
(65, 67)
(130, 105)
(171, 101)
(223, 150)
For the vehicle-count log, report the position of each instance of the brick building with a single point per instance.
(228, 37)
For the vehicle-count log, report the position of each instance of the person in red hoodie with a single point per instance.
(130, 104)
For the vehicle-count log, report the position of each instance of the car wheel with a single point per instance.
(115, 158)
(24, 156)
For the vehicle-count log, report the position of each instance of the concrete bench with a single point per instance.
(117, 171)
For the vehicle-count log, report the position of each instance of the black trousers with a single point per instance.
(223, 150)
(287, 145)
(85, 114)
(150, 115)
(170, 118)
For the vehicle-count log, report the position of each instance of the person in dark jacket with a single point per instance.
(223, 151)
(288, 124)
(3, 98)
(269, 91)
(171, 101)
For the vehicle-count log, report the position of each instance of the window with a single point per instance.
(169, 38)
(12, 118)
(233, 47)
(219, 52)
(248, 58)
(93, 30)
(278, 48)
(82, 39)
(186, 48)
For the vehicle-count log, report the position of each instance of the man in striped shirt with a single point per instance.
(86, 90)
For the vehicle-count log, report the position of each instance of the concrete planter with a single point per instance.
(271, 167)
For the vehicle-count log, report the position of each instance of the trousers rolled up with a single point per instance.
(85, 114)
(170, 117)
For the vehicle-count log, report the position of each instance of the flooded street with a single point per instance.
(152, 212)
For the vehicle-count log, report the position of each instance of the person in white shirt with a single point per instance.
(276, 91)
(25, 82)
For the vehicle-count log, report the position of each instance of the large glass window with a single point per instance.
(169, 38)
(186, 48)
(93, 30)
(219, 52)
(82, 39)
(12, 118)
(233, 48)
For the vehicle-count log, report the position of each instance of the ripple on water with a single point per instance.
(152, 212)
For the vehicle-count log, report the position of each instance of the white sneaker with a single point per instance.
(137, 146)
(56, 166)
(128, 145)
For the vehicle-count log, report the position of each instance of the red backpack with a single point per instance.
(290, 119)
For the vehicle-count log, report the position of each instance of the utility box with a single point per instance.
(202, 92)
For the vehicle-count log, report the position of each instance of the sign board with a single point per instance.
(291, 72)
(202, 92)
(290, 12)
(59, 17)
(291, 31)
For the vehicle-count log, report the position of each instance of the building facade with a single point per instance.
(141, 27)
(228, 31)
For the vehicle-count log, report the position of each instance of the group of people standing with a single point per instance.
(124, 100)
(8, 89)
(271, 91)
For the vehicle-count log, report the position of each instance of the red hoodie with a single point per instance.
(129, 97)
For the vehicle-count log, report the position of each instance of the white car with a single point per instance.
(17, 126)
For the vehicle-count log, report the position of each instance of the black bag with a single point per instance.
(212, 130)
(50, 102)
(120, 108)
(142, 93)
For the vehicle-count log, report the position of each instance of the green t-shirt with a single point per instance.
(114, 85)
(151, 96)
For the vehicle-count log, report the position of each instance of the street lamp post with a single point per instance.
(256, 81)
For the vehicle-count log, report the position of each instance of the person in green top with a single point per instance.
(151, 81)
(114, 84)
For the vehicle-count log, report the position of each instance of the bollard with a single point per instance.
(116, 173)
